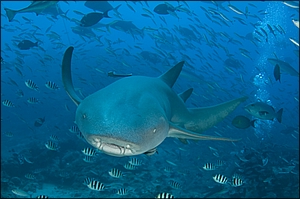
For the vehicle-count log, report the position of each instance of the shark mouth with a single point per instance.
(111, 148)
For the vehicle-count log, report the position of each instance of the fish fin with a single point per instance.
(66, 76)
(279, 115)
(171, 75)
(10, 14)
(105, 14)
(201, 119)
(116, 9)
(186, 94)
(178, 132)
(252, 123)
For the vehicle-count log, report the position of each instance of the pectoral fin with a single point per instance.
(178, 132)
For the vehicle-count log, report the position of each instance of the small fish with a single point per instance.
(33, 100)
(96, 185)
(236, 182)
(88, 151)
(20, 192)
(51, 85)
(51, 146)
(264, 111)
(296, 23)
(220, 179)
(220, 163)
(74, 129)
(135, 162)
(8, 103)
(115, 173)
(30, 84)
(129, 166)
(88, 180)
(21, 159)
(54, 137)
(168, 169)
(172, 163)
(42, 197)
(294, 42)
(122, 191)
(277, 72)
(9, 134)
(39, 122)
(30, 176)
(114, 74)
(88, 159)
(20, 93)
(28, 161)
(175, 184)
(209, 167)
(242, 122)
(164, 195)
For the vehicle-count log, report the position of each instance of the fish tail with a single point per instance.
(279, 115)
(105, 14)
(252, 123)
(116, 9)
(10, 14)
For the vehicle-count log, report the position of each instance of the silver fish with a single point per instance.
(115, 173)
(96, 185)
(220, 179)
(8, 103)
(30, 84)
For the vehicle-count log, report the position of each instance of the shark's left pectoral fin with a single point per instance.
(178, 132)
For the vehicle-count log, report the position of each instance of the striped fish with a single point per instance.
(220, 179)
(168, 169)
(54, 138)
(9, 134)
(32, 100)
(87, 180)
(209, 166)
(42, 197)
(164, 196)
(220, 163)
(88, 151)
(122, 191)
(51, 85)
(88, 159)
(96, 185)
(236, 182)
(115, 173)
(51, 146)
(30, 84)
(129, 166)
(30, 176)
(8, 103)
(135, 162)
(175, 185)
(74, 129)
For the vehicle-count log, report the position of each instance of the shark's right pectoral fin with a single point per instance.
(67, 78)
(178, 132)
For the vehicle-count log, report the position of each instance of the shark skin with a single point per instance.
(135, 114)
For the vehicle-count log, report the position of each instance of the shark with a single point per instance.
(135, 114)
(36, 6)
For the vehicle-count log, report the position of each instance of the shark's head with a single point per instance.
(121, 126)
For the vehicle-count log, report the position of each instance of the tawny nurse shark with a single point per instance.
(135, 114)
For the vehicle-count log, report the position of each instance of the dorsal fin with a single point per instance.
(186, 94)
(171, 75)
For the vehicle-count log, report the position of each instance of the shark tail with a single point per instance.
(279, 115)
(10, 14)
(201, 119)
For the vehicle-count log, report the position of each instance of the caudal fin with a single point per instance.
(116, 9)
(10, 14)
(105, 14)
(279, 115)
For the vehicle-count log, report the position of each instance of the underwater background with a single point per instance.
(228, 48)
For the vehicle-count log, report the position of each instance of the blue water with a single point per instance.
(204, 52)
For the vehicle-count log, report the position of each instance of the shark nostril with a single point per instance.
(83, 116)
